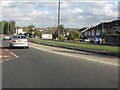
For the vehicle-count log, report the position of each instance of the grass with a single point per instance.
(105, 48)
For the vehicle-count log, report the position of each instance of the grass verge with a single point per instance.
(102, 48)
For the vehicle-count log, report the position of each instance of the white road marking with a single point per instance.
(9, 56)
(74, 56)
(14, 54)
(6, 49)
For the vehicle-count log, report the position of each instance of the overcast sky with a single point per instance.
(74, 13)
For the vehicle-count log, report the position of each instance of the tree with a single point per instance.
(77, 35)
(30, 28)
(11, 27)
(38, 33)
(25, 29)
(7, 27)
(55, 34)
(61, 29)
(3, 30)
(1, 27)
(71, 36)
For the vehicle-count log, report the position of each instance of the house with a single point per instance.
(110, 31)
(102, 29)
(19, 31)
(47, 34)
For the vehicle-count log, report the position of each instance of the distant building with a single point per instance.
(47, 34)
(19, 31)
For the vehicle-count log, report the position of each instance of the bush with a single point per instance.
(62, 38)
(74, 35)
(38, 33)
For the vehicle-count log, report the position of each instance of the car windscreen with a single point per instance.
(19, 37)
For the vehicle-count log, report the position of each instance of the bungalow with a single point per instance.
(112, 29)
(102, 29)
(47, 34)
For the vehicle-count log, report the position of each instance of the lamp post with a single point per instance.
(58, 18)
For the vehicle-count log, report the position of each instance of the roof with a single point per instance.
(115, 23)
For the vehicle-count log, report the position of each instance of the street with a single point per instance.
(35, 68)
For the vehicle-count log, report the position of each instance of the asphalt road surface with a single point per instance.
(35, 68)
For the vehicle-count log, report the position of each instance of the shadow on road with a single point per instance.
(7, 47)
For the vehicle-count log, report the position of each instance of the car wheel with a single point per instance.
(11, 46)
(27, 47)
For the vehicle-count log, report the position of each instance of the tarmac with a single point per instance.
(111, 60)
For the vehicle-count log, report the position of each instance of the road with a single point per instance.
(35, 68)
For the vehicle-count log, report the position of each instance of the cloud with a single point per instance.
(77, 10)
(4, 4)
(105, 8)
(38, 13)
(73, 13)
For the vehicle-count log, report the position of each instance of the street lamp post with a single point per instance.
(58, 18)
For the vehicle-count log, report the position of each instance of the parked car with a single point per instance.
(97, 40)
(31, 37)
(6, 37)
(19, 41)
(87, 40)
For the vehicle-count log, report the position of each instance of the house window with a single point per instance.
(98, 32)
(93, 32)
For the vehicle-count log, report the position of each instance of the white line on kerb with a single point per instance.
(75, 56)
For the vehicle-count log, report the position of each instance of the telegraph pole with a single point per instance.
(58, 18)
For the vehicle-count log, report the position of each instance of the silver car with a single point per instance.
(19, 41)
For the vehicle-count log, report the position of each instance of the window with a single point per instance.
(20, 37)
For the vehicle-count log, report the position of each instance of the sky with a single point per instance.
(74, 13)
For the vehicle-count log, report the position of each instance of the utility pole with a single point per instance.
(58, 18)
